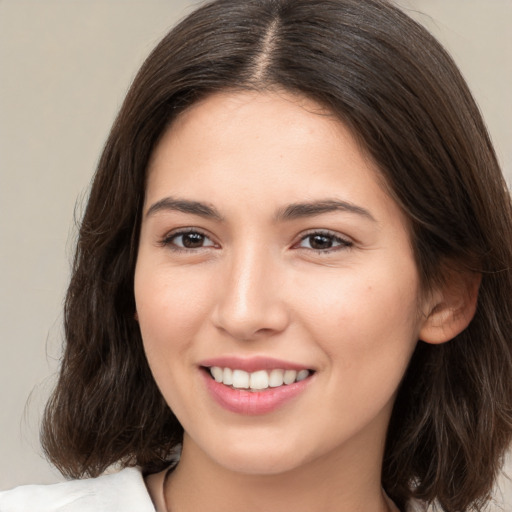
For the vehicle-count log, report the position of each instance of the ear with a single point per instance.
(450, 308)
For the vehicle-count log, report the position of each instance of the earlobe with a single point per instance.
(451, 308)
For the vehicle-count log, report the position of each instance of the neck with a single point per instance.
(346, 481)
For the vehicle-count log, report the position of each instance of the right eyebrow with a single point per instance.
(301, 210)
(184, 206)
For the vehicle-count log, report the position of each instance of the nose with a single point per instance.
(250, 301)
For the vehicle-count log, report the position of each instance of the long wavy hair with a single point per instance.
(403, 98)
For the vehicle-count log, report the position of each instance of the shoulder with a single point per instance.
(123, 491)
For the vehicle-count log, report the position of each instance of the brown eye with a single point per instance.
(192, 240)
(320, 242)
(188, 240)
(324, 242)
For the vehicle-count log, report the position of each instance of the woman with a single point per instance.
(293, 274)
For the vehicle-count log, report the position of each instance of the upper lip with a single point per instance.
(252, 364)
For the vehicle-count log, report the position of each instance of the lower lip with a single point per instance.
(242, 401)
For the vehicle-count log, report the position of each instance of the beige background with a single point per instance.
(64, 68)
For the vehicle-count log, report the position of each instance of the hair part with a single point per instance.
(404, 100)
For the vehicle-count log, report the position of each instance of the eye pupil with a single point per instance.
(192, 240)
(320, 242)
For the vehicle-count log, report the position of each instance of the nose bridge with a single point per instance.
(249, 301)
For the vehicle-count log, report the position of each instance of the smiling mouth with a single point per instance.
(259, 380)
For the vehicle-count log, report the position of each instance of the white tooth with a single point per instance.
(227, 377)
(216, 373)
(259, 380)
(276, 378)
(240, 379)
(290, 376)
(303, 374)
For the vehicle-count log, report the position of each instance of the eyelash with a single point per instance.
(333, 237)
(169, 241)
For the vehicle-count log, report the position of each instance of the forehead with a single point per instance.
(280, 120)
(277, 145)
(251, 115)
(236, 105)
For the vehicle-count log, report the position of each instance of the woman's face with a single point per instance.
(269, 253)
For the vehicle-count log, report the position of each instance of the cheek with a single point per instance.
(171, 309)
(366, 322)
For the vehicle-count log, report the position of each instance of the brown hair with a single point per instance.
(402, 96)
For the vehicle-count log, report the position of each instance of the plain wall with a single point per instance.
(64, 69)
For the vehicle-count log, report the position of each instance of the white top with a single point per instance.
(119, 492)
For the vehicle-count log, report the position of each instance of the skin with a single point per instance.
(256, 284)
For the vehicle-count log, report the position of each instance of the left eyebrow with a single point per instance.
(301, 210)
(184, 206)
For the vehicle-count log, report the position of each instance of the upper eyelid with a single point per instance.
(188, 229)
(325, 232)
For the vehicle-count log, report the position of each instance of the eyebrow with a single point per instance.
(290, 212)
(310, 209)
(184, 206)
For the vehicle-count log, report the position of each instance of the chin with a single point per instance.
(257, 464)
(257, 458)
